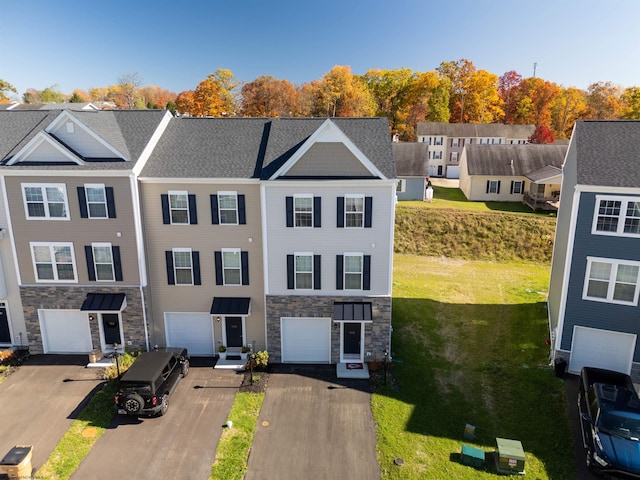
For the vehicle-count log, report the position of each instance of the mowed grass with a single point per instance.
(469, 347)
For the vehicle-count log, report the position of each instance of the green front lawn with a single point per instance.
(469, 347)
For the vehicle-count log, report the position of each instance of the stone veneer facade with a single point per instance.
(376, 334)
(71, 298)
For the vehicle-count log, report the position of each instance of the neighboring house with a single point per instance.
(412, 167)
(73, 219)
(513, 173)
(17, 106)
(446, 141)
(595, 272)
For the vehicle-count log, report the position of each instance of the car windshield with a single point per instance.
(620, 423)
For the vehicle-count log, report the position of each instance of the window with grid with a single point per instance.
(45, 201)
(493, 186)
(353, 272)
(231, 267)
(103, 262)
(617, 216)
(228, 208)
(182, 266)
(179, 207)
(613, 281)
(354, 211)
(304, 271)
(96, 201)
(53, 262)
(303, 211)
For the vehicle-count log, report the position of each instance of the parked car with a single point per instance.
(146, 387)
(610, 419)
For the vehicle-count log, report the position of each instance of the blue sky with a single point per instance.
(174, 45)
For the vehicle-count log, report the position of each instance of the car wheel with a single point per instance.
(164, 406)
(133, 403)
(185, 368)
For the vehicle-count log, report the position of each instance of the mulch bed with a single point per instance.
(260, 381)
(12, 359)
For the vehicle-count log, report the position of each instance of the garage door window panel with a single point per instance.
(53, 262)
(612, 281)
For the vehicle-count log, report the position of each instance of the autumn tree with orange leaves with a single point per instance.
(269, 97)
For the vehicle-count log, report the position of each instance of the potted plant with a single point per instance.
(244, 351)
(222, 352)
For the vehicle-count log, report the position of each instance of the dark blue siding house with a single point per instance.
(594, 317)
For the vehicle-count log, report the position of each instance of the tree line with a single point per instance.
(455, 92)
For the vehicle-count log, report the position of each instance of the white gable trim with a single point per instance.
(328, 132)
(35, 142)
(66, 116)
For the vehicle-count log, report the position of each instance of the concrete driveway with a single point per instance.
(40, 401)
(313, 425)
(182, 444)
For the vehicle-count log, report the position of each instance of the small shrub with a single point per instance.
(222, 348)
(255, 378)
(124, 362)
(261, 359)
(5, 355)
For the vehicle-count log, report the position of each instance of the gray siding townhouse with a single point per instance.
(513, 173)
(595, 273)
(447, 140)
(71, 207)
(412, 167)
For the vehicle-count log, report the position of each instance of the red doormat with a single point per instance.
(354, 366)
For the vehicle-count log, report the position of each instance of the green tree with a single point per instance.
(459, 73)
(392, 92)
(631, 101)
(568, 107)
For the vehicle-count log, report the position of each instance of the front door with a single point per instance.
(439, 170)
(234, 331)
(352, 333)
(5, 334)
(111, 327)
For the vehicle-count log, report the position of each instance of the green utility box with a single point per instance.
(474, 457)
(510, 456)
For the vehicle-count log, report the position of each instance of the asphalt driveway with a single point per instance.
(40, 401)
(313, 425)
(181, 444)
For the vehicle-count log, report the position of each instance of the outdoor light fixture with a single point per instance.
(218, 319)
(91, 318)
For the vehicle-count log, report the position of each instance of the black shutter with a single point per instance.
(368, 211)
(242, 212)
(340, 213)
(317, 212)
(169, 258)
(244, 265)
(193, 211)
(218, 261)
(111, 202)
(512, 182)
(117, 263)
(339, 270)
(498, 189)
(289, 209)
(316, 272)
(166, 218)
(291, 284)
(488, 183)
(82, 201)
(91, 270)
(195, 260)
(366, 272)
(215, 219)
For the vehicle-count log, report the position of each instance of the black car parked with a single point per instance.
(146, 387)
(610, 419)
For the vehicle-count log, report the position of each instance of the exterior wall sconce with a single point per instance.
(92, 318)
(218, 319)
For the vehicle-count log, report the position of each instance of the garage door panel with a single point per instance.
(65, 331)
(306, 340)
(191, 330)
(602, 349)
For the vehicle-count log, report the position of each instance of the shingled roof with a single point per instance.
(411, 159)
(608, 152)
(255, 147)
(512, 160)
(475, 130)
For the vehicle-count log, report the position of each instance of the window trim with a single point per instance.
(45, 202)
(51, 246)
(513, 187)
(220, 209)
(95, 263)
(171, 209)
(224, 268)
(497, 185)
(295, 270)
(105, 203)
(622, 216)
(344, 270)
(346, 212)
(615, 263)
(175, 268)
(295, 211)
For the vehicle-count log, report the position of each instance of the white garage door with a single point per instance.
(65, 331)
(602, 349)
(306, 340)
(191, 330)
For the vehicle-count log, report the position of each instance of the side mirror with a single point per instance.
(586, 418)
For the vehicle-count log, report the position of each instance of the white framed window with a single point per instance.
(401, 186)
(53, 262)
(303, 271)
(493, 186)
(438, 140)
(437, 155)
(231, 266)
(455, 142)
(454, 156)
(228, 208)
(354, 211)
(303, 211)
(179, 207)
(611, 281)
(103, 262)
(518, 187)
(618, 216)
(353, 264)
(45, 201)
(182, 266)
(96, 200)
